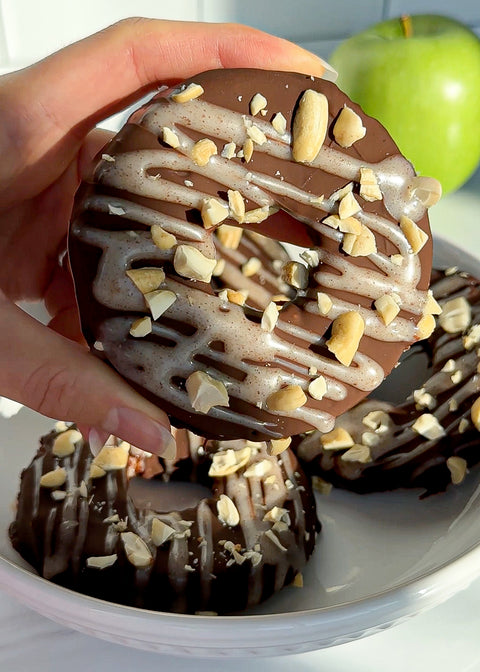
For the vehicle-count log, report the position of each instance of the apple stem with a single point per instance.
(407, 28)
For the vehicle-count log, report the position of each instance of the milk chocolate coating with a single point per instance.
(122, 199)
(196, 569)
(403, 458)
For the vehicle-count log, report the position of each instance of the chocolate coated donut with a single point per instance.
(78, 526)
(431, 438)
(249, 149)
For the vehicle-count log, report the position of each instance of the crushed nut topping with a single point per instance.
(348, 128)
(202, 151)
(387, 308)
(161, 532)
(213, 212)
(236, 205)
(324, 303)
(309, 126)
(146, 279)
(227, 462)
(347, 331)
(136, 550)
(279, 123)
(278, 446)
(64, 443)
(190, 92)
(348, 206)
(416, 238)
(229, 236)
(204, 392)
(357, 453)
(428, 426)
(159, 301)
(190, 263)
(258, 102)
(369, 189)
(317, 388)
(101, 561)
(54, 478)
(456, 315)
(269, 317)
(141, 327)
(288, 398)
(162, 239)
(458, 469)
(227, 511)
(169, 137)
(337, 439)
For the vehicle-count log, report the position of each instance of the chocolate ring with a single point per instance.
(430, 439)
(78, 526)
(285, 155)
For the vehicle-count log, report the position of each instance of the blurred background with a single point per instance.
(30, 30)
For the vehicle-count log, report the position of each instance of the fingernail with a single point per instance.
(141, 431)
(329, 74)
(96, 440)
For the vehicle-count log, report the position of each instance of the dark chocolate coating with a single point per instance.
(403, 458)
(57, 537)
(233, 90)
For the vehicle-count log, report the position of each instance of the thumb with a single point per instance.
(60, 379)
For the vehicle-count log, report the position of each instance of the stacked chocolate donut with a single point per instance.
(185, 288)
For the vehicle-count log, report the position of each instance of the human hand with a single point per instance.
(47, 113)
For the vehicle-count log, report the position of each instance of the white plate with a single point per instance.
(380, 559)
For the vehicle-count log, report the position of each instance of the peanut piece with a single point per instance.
(347, 330)
(360, 245)
(146, 279)
(277, 446)
(348, 206)
(317, 388)
(258, 103)
(136, 550)
(236, 205)
(309, 126)
(190, 92)
(348, 128)
(202, 151)
(170, 137)
(141, 327)
(458, 469)
(369, 189)
(191, 263)
(387, 308)
(213, 212)
(227, 511)
(337, 439)
(456, 315)
(162, 239)
(204, 392)
(288, 398)
(158, 302)
(64, 443)
(229, 236)
(279, 123)
(53, 479)
(416, 238)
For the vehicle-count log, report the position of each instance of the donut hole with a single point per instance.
(415, 366)
(163, 496)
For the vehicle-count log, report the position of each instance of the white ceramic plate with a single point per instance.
(381, 558)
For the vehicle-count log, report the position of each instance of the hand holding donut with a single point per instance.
(47, 114)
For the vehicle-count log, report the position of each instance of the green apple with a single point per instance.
(420, 76)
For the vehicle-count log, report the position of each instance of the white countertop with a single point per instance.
(443, 639)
